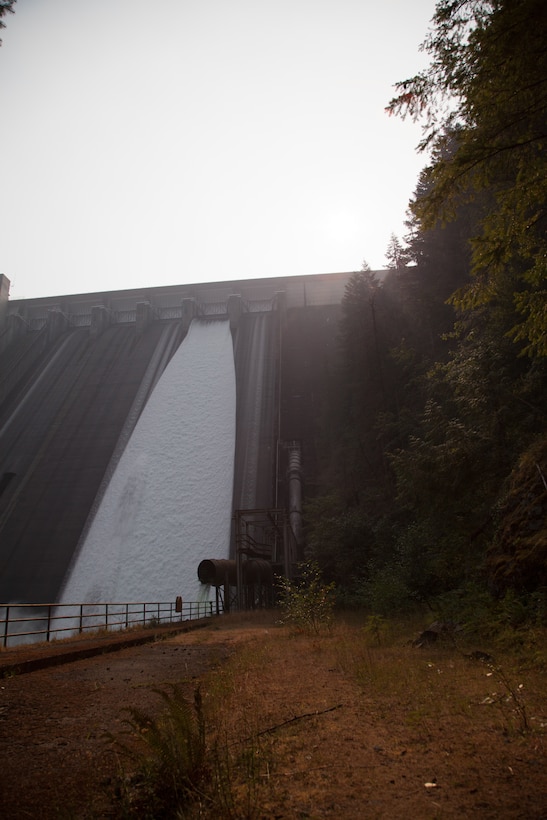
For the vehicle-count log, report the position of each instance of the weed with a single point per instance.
(375, 627)
(237, 776)
(172, 772)
(307, 603)
(513, 695)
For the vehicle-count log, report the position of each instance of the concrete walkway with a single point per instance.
(30, 657)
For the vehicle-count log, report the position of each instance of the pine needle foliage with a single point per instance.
(483, 105)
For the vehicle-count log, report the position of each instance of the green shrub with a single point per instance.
(307, 602)
(510, 621)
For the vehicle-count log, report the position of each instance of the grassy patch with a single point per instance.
(297, 721)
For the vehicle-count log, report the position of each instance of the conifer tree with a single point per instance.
(6, 7)
(483, 102)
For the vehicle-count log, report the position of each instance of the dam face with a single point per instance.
(95, 384)
(171, 492)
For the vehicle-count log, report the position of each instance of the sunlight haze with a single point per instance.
(179, 141)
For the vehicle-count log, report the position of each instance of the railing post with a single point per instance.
(48, 622)
(193, 610)
(6, 627)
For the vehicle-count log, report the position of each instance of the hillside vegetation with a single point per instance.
(434, 474)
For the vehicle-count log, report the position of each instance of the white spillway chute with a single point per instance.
(168, 503)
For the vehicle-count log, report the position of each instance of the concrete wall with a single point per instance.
(76, 371)
(300, 291)
(63, 408)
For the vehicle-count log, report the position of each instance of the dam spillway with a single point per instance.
(77, 372)
(171, 492)
(64, 414)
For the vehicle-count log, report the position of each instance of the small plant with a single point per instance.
(174, 767)
(307, 602)
(375, 627)
(513, 694)
(238, 769)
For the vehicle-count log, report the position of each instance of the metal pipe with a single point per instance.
(215, 571)
(295, 489)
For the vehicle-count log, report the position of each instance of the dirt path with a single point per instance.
(56, 758)
(334, 746)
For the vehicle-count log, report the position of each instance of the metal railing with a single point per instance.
(28, 623)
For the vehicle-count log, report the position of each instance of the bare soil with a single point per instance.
(341, 735)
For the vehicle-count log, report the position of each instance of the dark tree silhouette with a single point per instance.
(6, 6)
(483, 101)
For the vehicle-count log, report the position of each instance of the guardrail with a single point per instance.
(28, 623)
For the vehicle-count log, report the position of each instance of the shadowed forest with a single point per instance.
(430, 495)
(434, 479)
(433, 483)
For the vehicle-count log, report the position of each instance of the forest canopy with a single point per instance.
(435, 479)
(483, 105)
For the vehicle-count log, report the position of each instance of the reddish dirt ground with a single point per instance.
(336, 747)
(56, 756)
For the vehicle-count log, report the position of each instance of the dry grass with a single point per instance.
(357, 722)
(350, 723)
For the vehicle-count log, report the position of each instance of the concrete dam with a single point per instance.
(106, 389)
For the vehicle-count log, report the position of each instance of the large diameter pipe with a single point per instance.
(217, 572)
(257, 571)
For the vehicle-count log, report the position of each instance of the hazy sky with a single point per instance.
(155, 143)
